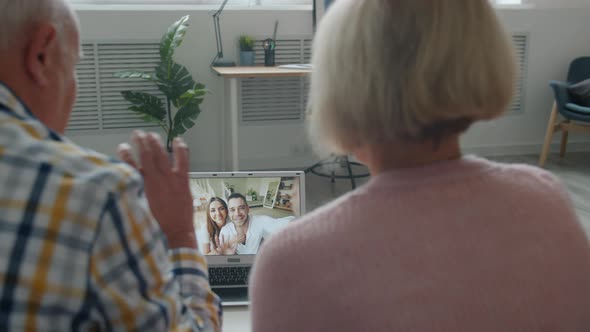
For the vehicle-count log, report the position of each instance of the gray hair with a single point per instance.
(412, 69)
(17, 16)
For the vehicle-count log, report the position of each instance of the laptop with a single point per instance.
(234, 214)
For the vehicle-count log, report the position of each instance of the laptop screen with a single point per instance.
(234, 213)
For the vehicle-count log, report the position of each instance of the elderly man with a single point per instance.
(80, 248)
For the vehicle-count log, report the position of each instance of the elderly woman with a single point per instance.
(436, 241)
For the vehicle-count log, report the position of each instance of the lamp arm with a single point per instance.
(218, 12)
(219, 60)
(218, 29)
(218, 36)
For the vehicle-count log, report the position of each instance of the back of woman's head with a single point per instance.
(386, 70)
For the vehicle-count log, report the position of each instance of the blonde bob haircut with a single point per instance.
(385, 70)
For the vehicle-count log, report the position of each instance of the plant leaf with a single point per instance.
(173, 38)
(150, 107)
(133, 74)
(174, 81)
(185, 117)
(149, 118)
(192, 93)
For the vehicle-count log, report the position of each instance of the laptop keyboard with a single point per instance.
(229, 275)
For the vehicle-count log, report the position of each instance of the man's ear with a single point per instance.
(39, 52)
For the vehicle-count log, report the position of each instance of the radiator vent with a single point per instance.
(520, 42)
(271, 100)
(85, 115)
(275, 100)
(99, 105)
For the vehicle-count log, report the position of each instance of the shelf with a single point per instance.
(259, 71)
(284, 195)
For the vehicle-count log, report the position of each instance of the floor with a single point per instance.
(573, 170)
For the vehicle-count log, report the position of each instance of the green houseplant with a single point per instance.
(183, 96)
(246, 50)
(252, 194)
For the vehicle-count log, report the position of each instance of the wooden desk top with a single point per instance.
(259, 71)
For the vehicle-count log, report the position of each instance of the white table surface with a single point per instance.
(236, 319)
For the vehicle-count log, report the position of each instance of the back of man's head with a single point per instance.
(18, 16)
(39, 46)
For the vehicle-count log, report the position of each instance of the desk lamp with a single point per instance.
(219, 61)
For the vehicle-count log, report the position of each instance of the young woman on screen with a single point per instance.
(216, 219)
(436, 241)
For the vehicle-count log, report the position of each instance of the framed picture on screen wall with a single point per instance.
(271, 194)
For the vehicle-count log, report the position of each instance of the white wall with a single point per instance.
(196, 54)
(557, 36)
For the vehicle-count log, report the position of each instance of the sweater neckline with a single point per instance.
(463, 166)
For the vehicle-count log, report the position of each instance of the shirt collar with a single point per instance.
(9, 100)
(13, 105)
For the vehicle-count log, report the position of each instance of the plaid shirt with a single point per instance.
(79, 248)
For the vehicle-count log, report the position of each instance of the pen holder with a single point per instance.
(269, 52)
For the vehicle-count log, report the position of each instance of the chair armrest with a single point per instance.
(562, 96)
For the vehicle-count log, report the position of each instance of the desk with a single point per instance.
(231, 76)
(236, 319)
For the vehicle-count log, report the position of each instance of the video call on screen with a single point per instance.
(268, 205)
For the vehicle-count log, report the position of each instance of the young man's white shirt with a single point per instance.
(260, 228)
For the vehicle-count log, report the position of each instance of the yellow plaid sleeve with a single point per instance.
(138, 284)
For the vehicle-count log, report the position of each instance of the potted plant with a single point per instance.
(251, 193)
(246, 50)
(183, 96)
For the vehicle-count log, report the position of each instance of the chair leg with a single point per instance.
(548, 136)
(564, 136)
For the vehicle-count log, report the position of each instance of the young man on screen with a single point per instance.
(252, 230)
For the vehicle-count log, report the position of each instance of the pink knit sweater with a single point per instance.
(465, 245)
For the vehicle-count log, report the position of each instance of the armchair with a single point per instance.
(576, 117)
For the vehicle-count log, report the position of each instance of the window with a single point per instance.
(233, 2)
(194, 2)
(509, 2)
(237, 2)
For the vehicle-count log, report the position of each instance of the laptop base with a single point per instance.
(231, 297)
